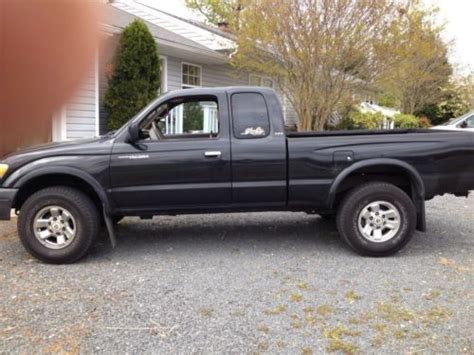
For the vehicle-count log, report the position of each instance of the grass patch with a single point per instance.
(433, 294)
(336, 343)
(280, 344)
(351, 296)
(296, 297)
(418, 335)
(296, 320)
(394, 313)
(379, 327)
(306, 351)
(303, 286)
(401, 333)
(310, 319)
(454, 265)
(362, 318)
(324, 310)
(206, 312)
(436, 315)
(239, 313)
(377, 341)
(262, 346)
(296, 324)
(338, 332)
(275, 311)
(396, 298)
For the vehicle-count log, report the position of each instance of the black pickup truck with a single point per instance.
(226, 150)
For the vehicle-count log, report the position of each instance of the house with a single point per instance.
(387, 113)
(192, 55)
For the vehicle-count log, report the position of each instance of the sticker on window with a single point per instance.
(259, 131)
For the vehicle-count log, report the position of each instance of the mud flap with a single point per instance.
(110, 227)
(421, 217)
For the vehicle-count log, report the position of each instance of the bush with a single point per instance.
(452, 104)
(361, 120)
(388, 100)
(406, 121)
(194, 117)
(424, 122)
(136, 76)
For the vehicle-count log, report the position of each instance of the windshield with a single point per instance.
(450, 122)
(456, 120)
(146, 108)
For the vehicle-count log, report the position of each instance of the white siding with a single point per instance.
(174, 74)
(221, 75)
(80, 111)
(212, 76)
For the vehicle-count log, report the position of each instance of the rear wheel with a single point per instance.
(376, 219)
(58, 225)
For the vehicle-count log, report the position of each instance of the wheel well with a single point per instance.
(41, 182)
(383, 173)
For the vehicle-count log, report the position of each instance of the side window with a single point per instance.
(250, 116)
(185, 118)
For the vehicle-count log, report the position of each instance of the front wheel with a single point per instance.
(58, 225)
(376, 219)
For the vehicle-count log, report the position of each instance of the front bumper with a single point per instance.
(7, 197)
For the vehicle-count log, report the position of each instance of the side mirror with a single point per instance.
(463, 124)
(134, 133)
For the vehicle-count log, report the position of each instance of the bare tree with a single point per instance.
(421, 69)
(220, 11)
(319, 51)
(466, 87)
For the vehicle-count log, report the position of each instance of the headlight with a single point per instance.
(3, 170)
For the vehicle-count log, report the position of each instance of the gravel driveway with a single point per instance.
(245, 283)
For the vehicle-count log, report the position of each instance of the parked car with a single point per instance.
(220, 150)
(463, 123)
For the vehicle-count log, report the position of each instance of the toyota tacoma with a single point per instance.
(215, 150)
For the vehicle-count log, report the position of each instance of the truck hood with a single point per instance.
(54, 146)
(95, 146)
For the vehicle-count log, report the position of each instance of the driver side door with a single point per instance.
(182, 161)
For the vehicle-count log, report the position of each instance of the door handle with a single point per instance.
(213, 154)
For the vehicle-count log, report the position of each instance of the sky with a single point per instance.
(458, 15)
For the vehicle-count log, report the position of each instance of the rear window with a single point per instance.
(250, 116)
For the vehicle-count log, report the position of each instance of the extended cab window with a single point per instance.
(250, 116)
(183, 118)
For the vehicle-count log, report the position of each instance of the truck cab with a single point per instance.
(186, 152)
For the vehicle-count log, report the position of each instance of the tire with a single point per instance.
(76, 214)
(358, 223)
